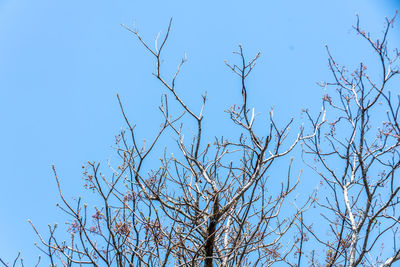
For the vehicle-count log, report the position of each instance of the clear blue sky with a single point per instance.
(62, 63)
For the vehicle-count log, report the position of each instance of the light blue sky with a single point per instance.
(62, 63)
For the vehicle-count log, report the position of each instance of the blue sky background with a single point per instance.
(62, 63)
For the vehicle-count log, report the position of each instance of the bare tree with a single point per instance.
(210, 203)
(357, 156)
(213, 203)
